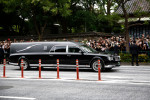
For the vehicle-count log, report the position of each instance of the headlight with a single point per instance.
(110, 58)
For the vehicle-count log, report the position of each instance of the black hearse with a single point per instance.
(66, 52)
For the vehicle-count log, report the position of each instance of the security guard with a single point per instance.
(134, 51)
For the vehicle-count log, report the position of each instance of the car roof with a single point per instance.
(51, 43)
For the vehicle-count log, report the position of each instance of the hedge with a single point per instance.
(126, 57)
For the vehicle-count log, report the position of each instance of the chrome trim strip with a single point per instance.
(111, 66)
(61, 65)
(30, 53)
(16, 64)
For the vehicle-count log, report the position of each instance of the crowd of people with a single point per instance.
(5, 48)
(114, 44)
(118, 44)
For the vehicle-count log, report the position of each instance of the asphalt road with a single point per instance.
(122, 83)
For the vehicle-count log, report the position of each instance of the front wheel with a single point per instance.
(94, 65)
(25, 64)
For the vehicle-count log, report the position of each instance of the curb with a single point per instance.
(127, 63)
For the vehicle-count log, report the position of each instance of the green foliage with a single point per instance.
(75, 15)
(82, 19)
(38, 12)
(61, 6)
(107, 6)
(144, 58)
(146, 22)
(126, 57)
(16, 29)
(108, 23)
(149, 43)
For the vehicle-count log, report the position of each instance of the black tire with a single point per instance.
(25, 64)
(94, 65)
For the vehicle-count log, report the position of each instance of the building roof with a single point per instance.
(133, 6)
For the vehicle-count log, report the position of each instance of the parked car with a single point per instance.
(66, 52)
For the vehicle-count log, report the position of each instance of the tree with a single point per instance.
(38, 11)
(82, 18)
(86, 18)
(108, 23)
(106, 6)
(121, 3)
(10, 25)
(107, 20)
(138, 13)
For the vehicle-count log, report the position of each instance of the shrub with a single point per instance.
(144, 58)
(126, 57)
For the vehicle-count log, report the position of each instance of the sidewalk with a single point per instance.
(129, 63)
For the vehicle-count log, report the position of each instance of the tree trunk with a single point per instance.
(43, 29)
(127, 35)
(126, 26)
(85, 29)
(108, 7)
(39, 37)
(21, 27)
(36, 27)
(64, 27)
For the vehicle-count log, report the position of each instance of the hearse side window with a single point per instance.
(74, 50)
(31, 48)
(58, 49)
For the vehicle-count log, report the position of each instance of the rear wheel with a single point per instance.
(25, 64)
(94, 65)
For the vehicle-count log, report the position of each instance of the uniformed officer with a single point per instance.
(116, 49)
(134, 51)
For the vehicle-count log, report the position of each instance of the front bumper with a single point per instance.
(112, 64)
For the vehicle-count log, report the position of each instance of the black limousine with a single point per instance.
(66, 52)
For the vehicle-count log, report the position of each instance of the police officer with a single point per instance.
(134, 51)
(116, 49)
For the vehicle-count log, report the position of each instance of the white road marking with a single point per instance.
(20, 98)
(109, 81)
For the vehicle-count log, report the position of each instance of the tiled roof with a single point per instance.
(133, 6)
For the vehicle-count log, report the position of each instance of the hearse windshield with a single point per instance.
(88, 49)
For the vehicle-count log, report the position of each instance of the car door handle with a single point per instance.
(51, 55)
(68, 55)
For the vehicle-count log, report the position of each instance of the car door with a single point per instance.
(58, 52)
(74, 53)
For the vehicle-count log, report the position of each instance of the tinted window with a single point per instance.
(73, 49)
(31, 48)
(60, 49)
(87, 49)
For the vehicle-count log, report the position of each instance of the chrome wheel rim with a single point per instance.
(95, 66)
(25, 64)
